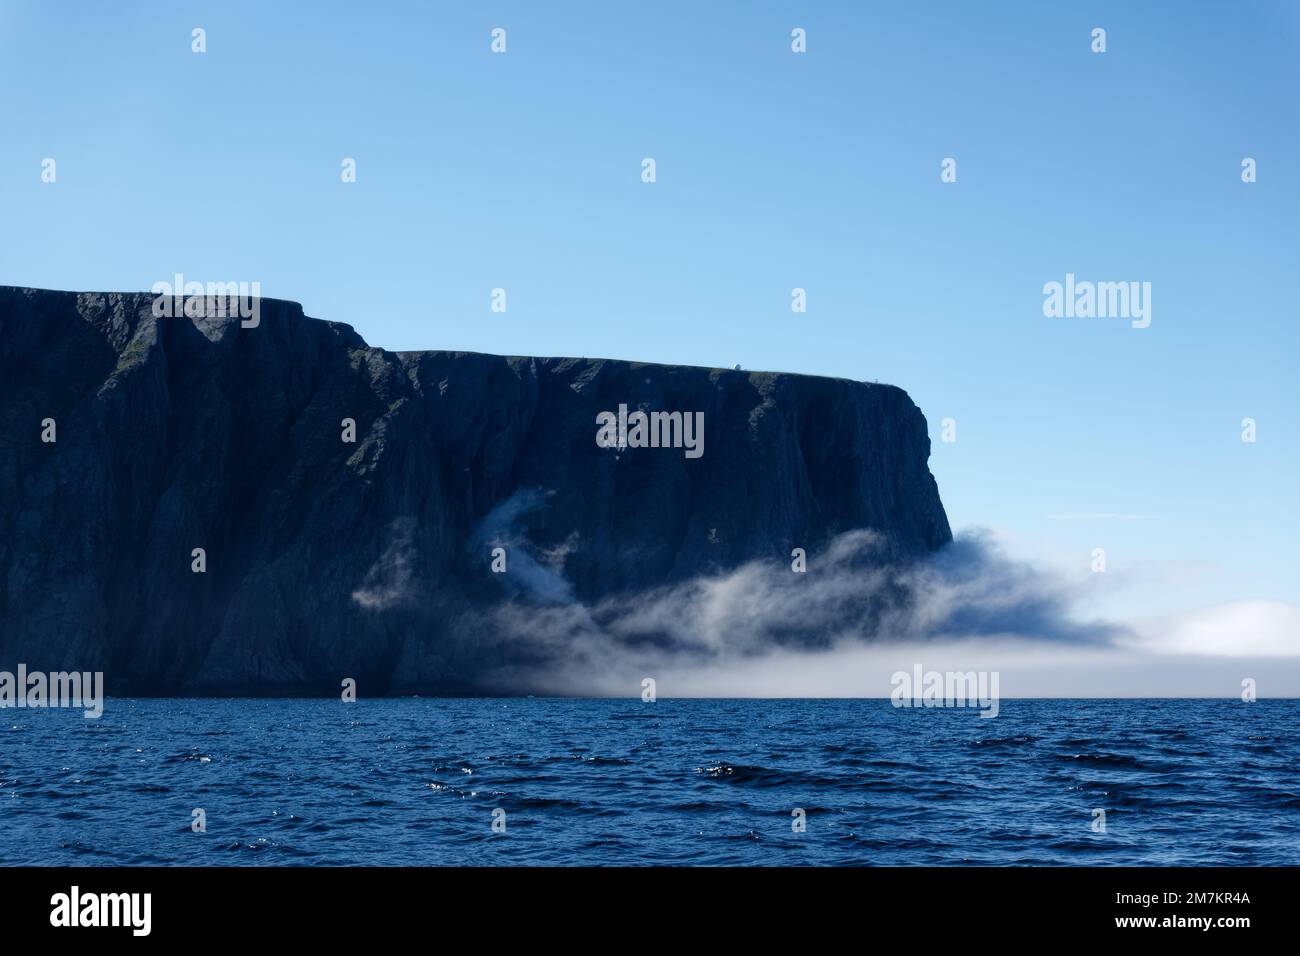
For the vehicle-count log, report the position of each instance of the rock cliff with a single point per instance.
(325, 558)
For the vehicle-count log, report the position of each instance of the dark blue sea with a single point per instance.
(713, 782)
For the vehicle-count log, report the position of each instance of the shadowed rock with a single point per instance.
(371, 560)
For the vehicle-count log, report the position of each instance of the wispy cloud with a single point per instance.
(388, 582)
(534, 576)
(1099, 516)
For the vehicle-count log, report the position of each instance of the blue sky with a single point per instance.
(774, 171)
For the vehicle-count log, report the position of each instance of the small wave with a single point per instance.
(194, 755)
(1018, 740)
(747, 775)
(1105, 759)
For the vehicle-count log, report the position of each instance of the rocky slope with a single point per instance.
(371, 559)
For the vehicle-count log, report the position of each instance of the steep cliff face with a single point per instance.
(372, 559)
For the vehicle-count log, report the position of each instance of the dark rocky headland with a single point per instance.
(371, 560)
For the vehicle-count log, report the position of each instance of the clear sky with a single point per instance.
(775, 170)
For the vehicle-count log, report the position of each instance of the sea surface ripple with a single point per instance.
(620, 782)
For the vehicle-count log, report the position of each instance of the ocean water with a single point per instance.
(417, 781)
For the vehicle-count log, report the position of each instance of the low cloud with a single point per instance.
(844, 626)
(1234, 629)
(966, 592)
